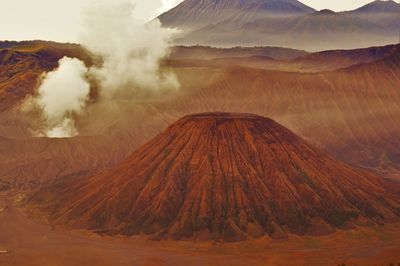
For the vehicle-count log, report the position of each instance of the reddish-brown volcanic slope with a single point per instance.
(352, 113)
(223, 176)
(21, 64)
(33, 162)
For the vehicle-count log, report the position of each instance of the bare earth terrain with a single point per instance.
(343, 102)
(30, 243)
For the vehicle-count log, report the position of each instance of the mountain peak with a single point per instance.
(325, 12)
(268, 5)
(195, 13)
(222, 176)
(380, 6)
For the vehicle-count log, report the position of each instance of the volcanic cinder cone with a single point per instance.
(225, 177)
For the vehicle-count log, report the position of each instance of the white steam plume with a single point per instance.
(130, 53)
(62, 95)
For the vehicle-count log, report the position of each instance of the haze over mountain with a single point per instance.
(352, 113)
(275, 58)
(192, 13)
(378, 6)
(384, 13)
(282, 23)
(223, 176)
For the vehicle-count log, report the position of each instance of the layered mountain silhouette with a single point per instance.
(273, 58)
(283, 23)
(223, 176)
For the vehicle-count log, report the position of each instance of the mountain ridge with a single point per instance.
(299, 28)
(379, 6)
(192, 12)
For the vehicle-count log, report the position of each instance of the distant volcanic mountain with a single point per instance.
(194, 13)
(286, 23)
(379, 6)
(383, 13)
(223, 176)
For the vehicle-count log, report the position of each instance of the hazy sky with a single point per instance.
(60, 19)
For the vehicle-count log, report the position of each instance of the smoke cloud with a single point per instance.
(130, 53)
(62, 95)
